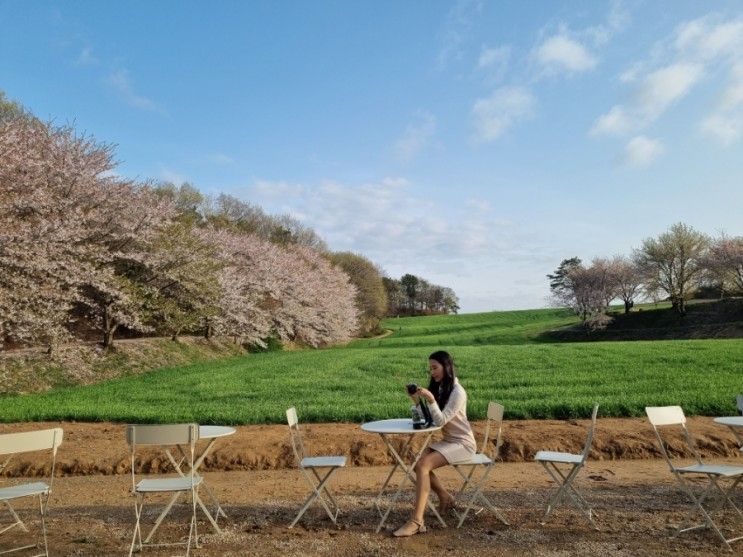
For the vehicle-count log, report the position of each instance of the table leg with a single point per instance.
(197, 463)
(408, 475)
(395, 466)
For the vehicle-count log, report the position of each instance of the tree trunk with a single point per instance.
(109, 327)
(208, 333)
(628, 306)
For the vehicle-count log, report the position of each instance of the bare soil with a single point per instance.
(634, 495)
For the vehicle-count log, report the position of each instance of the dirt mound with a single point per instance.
(101, 449)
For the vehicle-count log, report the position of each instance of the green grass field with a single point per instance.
(498, 355)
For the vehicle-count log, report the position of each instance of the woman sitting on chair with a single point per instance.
(447, 402)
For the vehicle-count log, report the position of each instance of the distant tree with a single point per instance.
(232, 213)
(724, 263)
(628, 280)
(672, 263)
(188, 201)
(395, 296)
(10, 109)
(559, 280)
(371, 296)
(410, 288)
(587, 291)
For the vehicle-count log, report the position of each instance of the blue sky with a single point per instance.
(476, 144)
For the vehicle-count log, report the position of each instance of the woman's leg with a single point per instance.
(428, 462)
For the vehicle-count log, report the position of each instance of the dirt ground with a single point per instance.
(632, 492)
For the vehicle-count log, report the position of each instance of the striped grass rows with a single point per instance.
(359, 383)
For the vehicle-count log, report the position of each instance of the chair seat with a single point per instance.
(323, 462)
(168, 484)
(475, 460)
(713, 469)
(552, 456)
(23, 490)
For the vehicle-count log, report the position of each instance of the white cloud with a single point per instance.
(614, 122)
(561, 52)
(494, 61)
(416, 137)
(616, 21)
(697, 50)
(642, 151)
(121, 82)
(457, 30)
(725, 123)
(665, 86)
(493, 115)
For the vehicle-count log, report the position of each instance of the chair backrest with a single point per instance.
(662, 416)
(740, 403)
(495, 420)
(295, 434)
(28, 441)
(32, 441)
(164, 436)
(172, 434)
(591, 429)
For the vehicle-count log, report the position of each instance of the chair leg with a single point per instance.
(477, 494)
(42, 512)
(18, 521)
(565, 483)
(316, 494)
(136, 535)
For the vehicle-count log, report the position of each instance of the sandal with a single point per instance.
(446, 505)
(410, 528)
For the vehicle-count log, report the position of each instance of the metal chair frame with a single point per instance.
(317, 483)
(30, 441)
(466, 469)
(564, 478)
(165, 436)
(661, 416)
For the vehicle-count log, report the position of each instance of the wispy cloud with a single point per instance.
(560, 52)
(673, 69)
(494, 115)
(86, 58)
(573, 51)
(416, 137)
(220, 159)
(494, 61)
(169, 175)
(457, 29)
(121, 82)
(642, 151)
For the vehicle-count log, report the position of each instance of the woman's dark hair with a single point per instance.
(441, 391)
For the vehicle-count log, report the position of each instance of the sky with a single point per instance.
(473, 143)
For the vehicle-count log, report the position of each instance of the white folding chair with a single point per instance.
(660, 416)
(466, 469)
(551, 459)
(15, 443)
(166, 436)
(313, 464)
(740, 403)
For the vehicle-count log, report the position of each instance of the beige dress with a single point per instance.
(458, 443)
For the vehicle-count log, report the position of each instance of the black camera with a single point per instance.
(412, 388)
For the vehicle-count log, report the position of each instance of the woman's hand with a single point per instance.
(428, 395)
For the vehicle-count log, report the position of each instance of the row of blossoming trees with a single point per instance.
(676, 265)
(82, 249)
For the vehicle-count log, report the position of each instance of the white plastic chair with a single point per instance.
(740, 403)
(660, 416)
(16, 443)
(165, 436)
(552, 461)
(466, 469)
(313, 464)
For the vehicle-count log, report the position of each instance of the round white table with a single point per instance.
(735, 423)
(386, 429)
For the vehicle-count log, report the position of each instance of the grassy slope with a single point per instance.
(498, 357)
